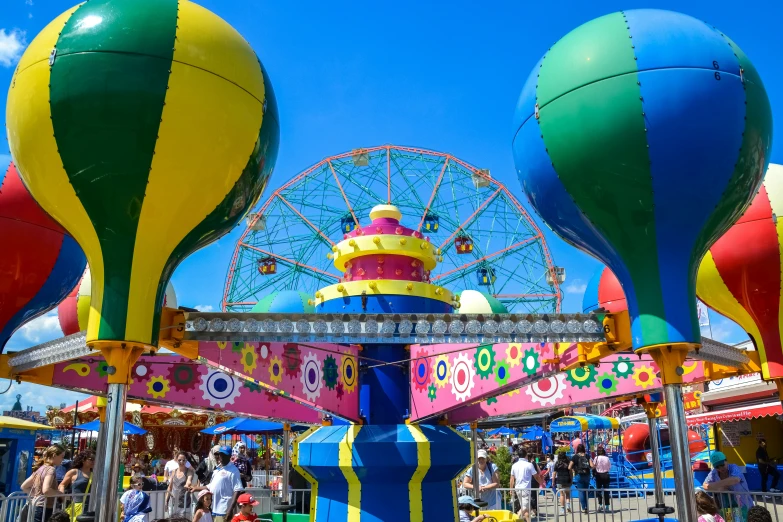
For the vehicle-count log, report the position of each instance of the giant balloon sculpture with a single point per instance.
(40, 262)
(147, 128)
(740, 276)
(640, 137)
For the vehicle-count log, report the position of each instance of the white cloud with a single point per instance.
(42, 329)
(28, 2)
(39, 397)
(12, 45)
(577, 286)
(205, 308)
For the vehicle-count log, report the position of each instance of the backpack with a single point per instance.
(581, 465)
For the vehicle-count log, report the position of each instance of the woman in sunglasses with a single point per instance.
(728, 483)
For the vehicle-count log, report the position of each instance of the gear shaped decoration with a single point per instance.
(421, 371)
(102, 368)
(264, 353)
(622, 367)
(339, 390)
(348, 373)
(607, 383)
(311, 379)
(515, 391)
(140, 371)
(513, 354)
(237, 346)
(644, 377)
(530, 363)
(582, 376)
(502, 373)
(183, 376)
(249, 358)
(275, 370)
(219, 388)
(271, 397)
(222, 345)
(441, 370)
(462, 377)
(292, 359)
(546, 392)
(484, 360)
(330, 372)
(158, 387)
(491, 401)
(432, 392)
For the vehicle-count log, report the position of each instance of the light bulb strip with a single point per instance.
(393, 328)
(51, 352)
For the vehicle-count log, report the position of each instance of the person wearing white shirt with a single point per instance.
(226, 485)
(522, 475)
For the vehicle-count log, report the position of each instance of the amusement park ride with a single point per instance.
(640, 137)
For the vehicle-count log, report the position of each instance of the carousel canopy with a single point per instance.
(571, 424)
(245, 425)
(128, 429)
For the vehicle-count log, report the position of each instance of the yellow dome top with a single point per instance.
(385, 211)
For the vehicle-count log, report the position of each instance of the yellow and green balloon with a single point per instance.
(147, 128)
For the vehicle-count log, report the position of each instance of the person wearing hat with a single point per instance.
(203, 509)
(242, 463)
(246, 503)
(467, 507)
(225, 486)
(728, 478)
(488, 481)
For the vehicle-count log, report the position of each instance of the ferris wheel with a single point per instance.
(487, 240)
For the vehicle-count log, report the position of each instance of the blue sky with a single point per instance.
(438, 75)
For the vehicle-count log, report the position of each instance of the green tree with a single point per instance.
(502, 460)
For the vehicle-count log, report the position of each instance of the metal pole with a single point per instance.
(73, 428)
(474, 474)
(97, 470)
(681, 457)
(652, 422)
(286, 457)
(107, 487)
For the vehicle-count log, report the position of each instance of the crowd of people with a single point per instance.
(211, 490)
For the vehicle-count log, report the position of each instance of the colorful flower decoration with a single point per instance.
(622, 367)
(330, 372)
(420, 376)
(219, 388)
(292, 359)
(513, 354)
(183, 376)
(349, 373)
(140, 370)
(275, 370)
(432, 392)
(249, 358)
(81, 369)
(644, 377)
(264, 353)
(484, 361)
(441, 370)
(607, 383)
(462, 377)
(547, 391)
(502, 373)
(530, 362)
(311, 379)
(158, 387)
(582, 376)
(102, 368)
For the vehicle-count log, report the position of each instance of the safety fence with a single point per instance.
(548, 505)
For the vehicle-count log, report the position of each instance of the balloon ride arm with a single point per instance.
(617, 331)
(714, 371)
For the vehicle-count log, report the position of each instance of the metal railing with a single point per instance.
(624, 505)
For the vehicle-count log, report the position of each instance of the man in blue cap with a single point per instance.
(225, 486)
(728, 478)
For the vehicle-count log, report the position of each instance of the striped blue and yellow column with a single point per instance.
(378, 473)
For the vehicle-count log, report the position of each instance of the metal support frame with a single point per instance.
(474, 472)
(681, 458)
(106, 489)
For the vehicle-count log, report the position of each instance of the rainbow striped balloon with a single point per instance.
(740, 276)
(640, 137)
(147, 128)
